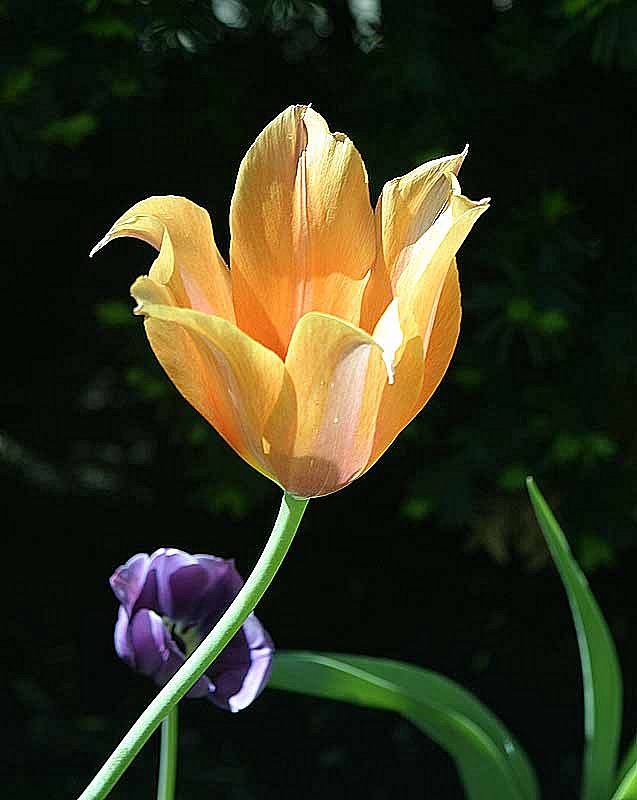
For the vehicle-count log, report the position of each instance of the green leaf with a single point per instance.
(70, 131)
(627, 789)
(627, 775)
(600, 667)
(490, 762)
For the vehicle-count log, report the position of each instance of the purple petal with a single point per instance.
(224, 584)
(156, 654)
(243, 668)
(123, 646)
(170, 596)
(187, 586)
(128, 580)
(149, 641)
(203, 686)
(165, 564)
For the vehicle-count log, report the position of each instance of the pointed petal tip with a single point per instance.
(461, 157)
(102, 242)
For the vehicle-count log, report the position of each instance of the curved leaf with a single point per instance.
(627, 775)
(490, 762)
(600, 667)
(627, 789)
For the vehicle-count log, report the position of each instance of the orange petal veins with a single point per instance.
(189, 262)
(406, 208)
(338, 375)
(302, 228)
(233, 381)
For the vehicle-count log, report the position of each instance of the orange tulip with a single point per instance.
(334, 324)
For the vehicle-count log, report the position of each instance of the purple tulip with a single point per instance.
(169, 602)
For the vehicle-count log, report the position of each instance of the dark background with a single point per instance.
(433, 557)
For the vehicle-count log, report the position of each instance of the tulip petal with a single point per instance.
(189, 262)
(428, 260)
(398, 335)
(233, 381)
(128, 580)
(156, 653)
(179, 578)
(242, 669)
(338, 375)
(416, 379)
(123, 646)
(223, 585)
(406, 208)
(442, 336)
(302, 228)
(149, 642)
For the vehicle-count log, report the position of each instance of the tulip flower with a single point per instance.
(333, 324)
(169, 602)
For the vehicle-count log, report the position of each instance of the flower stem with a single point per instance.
(168, 757)
(286, 525)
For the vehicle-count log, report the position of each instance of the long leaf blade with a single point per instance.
(600, 666)
(629, 762)
(490, 762)
(627, 789)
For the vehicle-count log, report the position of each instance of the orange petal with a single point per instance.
(421, 365)
(302, 228)
(427, 261)
(428, 301)
(442, 336)
(338, 376)
(406, 208)
(403, 351)
(233, 381)
(189, 262)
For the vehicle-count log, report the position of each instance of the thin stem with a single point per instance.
(168, 757)
(286, 525)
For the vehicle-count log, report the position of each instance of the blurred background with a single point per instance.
(433, 557)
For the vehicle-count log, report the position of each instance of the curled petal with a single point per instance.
(123, 646)
(149, 642)
(338, 375)
(232, 380)
(407, 207)
(177, 577)
(128, 580)
(242, 670)
(428, 260)
(302, 228)
(190, 594)
(189, 263)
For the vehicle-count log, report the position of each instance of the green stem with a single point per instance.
(168, 757)
(286, 525)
